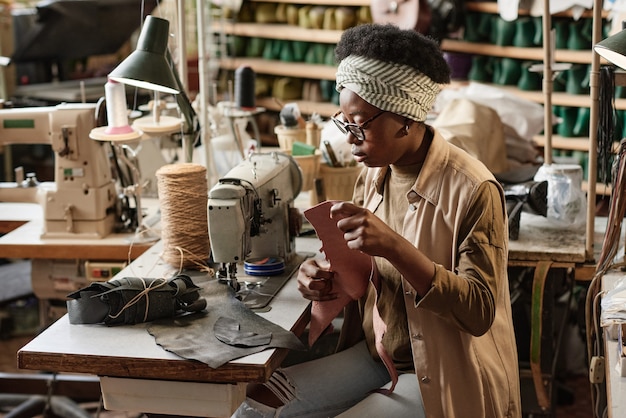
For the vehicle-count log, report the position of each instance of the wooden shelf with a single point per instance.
(558, 98)
(317, 71)
(601, 189)
(324, 109)
(568, 143)
(492, 7)
(531, 54)
(473, 6)
(279, 31)
(564, 143)
(280, 68)
(327, 72)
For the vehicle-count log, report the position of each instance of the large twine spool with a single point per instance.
(183, 196)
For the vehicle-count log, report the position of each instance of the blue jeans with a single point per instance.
(338, 385)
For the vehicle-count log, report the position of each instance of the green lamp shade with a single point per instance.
(147, 67)
(613, 49)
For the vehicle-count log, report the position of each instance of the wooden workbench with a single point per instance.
(124, 354)
(554, 252)
(129, 352)
(23, 225)
(543, 241)
(14, 215)
(540, 239)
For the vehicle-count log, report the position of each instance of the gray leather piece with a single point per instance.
(228, 331)
(193, 336)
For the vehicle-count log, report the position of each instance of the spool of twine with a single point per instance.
(183, 196)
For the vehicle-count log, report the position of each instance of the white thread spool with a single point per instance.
(117, 129)
(117, 116)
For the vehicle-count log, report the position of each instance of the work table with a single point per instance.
(123, 354)
(126, 352)
(24, 225)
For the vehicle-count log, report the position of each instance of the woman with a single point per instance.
(434, 219)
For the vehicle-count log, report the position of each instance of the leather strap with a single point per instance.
(536, 307)
(379, 332)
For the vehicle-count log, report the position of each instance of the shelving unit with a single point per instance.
(320, 71)
(282, 31)
(289, 69)
(525, 53)
(563, 99)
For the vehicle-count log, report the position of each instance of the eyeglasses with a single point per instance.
(356, 130)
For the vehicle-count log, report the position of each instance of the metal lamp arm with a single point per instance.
(192, 125)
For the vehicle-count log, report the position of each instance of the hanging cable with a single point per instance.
(610, 246)
(606, 124)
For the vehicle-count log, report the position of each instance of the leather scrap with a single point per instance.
(380, 328)
(350, 267)
(193, 336)
(228, 331)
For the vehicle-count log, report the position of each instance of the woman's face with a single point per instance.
(385, 143)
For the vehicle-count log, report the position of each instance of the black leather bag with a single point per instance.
(132, 300)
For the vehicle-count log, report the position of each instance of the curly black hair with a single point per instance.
(387, 42)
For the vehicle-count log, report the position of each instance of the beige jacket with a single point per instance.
(462, 336)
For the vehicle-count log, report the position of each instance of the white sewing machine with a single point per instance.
(81, 202)
(250, 212)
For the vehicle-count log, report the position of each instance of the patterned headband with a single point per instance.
(396, 88)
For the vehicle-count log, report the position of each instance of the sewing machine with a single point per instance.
(82, 201)
(250, 212)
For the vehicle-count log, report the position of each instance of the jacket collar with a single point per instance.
(429, 181)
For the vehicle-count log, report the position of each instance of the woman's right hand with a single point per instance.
(315, 280)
